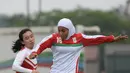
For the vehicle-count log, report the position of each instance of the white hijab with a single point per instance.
(67, 23)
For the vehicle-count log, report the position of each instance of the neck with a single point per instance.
(29, 48)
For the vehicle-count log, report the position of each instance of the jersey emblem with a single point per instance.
(74, 40)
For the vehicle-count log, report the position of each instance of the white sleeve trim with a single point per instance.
(92, 36)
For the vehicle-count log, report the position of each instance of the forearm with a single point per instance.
(108, 38)
(21, 69)
(96, 39)
(45, 43)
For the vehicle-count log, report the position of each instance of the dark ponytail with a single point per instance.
(17, 46)
(18, 43)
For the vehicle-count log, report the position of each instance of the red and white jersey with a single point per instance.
(66, 52)
(22, 63)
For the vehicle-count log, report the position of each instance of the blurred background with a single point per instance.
(89, 17)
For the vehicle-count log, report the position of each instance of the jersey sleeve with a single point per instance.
(45, 43)
(88, 40)
(18, 62)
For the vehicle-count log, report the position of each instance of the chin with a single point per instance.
(31, 47)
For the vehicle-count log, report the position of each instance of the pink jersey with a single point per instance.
(22, 63)
(66, 52)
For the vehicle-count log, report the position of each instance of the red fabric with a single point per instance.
(97, 41)
(28, 66)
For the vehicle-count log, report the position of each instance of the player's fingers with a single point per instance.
(125, 36)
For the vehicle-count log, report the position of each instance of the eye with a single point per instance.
(26, 38)
(63, 30)
(31, 36)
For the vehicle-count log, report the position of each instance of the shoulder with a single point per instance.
(49, 37)
(78, 35)
(52, 35)
(55, 35)
(22, 52)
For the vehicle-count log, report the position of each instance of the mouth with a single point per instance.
(31, 42)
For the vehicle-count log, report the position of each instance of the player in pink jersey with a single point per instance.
(24, 46)
(66, 46)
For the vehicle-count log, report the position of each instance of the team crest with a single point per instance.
(74, 40)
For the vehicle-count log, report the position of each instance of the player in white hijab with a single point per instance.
(67, 23)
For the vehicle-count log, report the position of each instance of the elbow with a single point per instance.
(14, 67)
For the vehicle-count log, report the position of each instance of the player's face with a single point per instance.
(28, 39)
(63, 32)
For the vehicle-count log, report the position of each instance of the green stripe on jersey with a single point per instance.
(72, 45)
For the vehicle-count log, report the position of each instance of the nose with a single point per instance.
(31, 39)
(60, 33)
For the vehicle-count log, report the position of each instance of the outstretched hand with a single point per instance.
(33, 55)
(120, 37)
